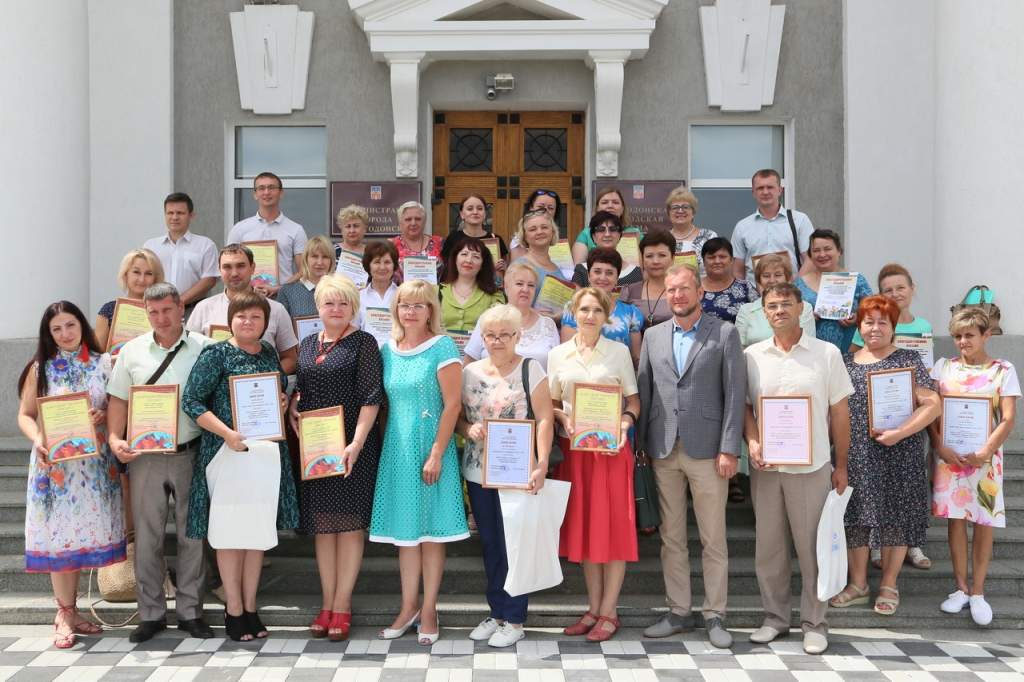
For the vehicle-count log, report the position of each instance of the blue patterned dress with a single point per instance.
(625, 319)
(407, 511)
(74, 515)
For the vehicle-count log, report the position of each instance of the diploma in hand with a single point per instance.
(66, 427)
(685, 258)
(129, 320)
(629, 248)
(306, 325)
(966, 422)
(494, 247)
(350, 264)
(597, 418)
(420, 267)
(785, 426)
(219, 332)
(264, 255)
(153, 418)
(322, 443)
(508, 453)
(554, 294)
(256, 405)
(922, 345)
(835, 295)
(890, 399)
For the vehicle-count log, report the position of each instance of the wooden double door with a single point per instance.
(504, 157)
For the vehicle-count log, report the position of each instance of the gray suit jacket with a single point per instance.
(704, 407)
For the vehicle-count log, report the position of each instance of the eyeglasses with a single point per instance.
(775, 307)
(679, 208)
(606, 228)
(504, 337)
(412, 307)
(267, 188)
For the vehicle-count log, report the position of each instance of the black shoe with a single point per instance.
(146, 630)
(196, 628)
(253, 625)
(234, 626)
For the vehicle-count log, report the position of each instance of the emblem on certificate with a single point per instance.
(420, 267)
(256, 405)
(306, 325)
(966, 422)
(508, 453)
(835, 295)
(784, 423)
(890, 399)
(322, 443)
(128, 321)
(67, 429)
(596, 418)
(264, 255)
(219, 332)
(153, 418)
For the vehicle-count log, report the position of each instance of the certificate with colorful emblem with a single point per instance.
(66, 427)
(219, 332)
(264, 255)
(153, 418)
(685, 258)
(890, 399)
(420, 267)
(306, 325)
(966, 422)
(322, 443)
(129, 321)
(596, 418)
(554, 294)
(350, 264)
(256, 405)
(508, 453)
(784, 423)
(836, 292)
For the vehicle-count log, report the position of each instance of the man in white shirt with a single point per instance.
(769, 230)
(236, 268)
(269, 223)
(189, 260)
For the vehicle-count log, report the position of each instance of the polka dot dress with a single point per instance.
(351, 376)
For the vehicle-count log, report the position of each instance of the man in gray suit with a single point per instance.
(693, 384)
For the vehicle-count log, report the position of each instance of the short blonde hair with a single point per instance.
(501, 314)
(350, 212)
(530, 215)
(773, 260)
(335, 286)
(602, 298)
(520, 266)
(318, 244)
(681, 194)
(410, 204)
(965, 318)
(145, 254)
(416, 291)
(678, 268)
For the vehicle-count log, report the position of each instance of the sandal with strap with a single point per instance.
(886, 606)
(581, 627)
(318, 628)
(84, 626)
(254, 626)
(235, 627)
(600, 633)
(850, 596)
(917, 559)
(64, 639)
(341, 623)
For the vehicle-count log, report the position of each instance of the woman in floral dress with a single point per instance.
(74, 515)
(969, 487)
(724, 294)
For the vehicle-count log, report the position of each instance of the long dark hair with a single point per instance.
(485, 277)
(47, 348)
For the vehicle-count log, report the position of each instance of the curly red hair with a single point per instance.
(882, 304)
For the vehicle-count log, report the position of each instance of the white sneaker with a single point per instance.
(506, 635)
(956, 602)
(487, 627)
(981, 612)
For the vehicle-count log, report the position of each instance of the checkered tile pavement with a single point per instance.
(286, 657)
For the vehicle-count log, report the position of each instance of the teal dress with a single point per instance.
(407, 511)
(207, 390)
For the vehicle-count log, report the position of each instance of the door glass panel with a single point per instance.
(470, 149)
(454, 219)
(545, 150)
(736, 151)
(719, 209)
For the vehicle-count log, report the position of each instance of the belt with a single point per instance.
(189, 445)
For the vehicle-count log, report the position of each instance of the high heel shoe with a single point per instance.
(341, 623)
(427, 638)
(318, 628)
(234, 626)
(254, 625)
(395, 633)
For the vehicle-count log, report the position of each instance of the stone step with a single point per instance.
(13, 477)
(460, 612)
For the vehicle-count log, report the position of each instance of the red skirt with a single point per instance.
(600, 521)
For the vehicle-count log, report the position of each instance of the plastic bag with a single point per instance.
(832, 545)
(243, 496)
(532, 524)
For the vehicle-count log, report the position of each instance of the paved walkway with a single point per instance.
(27, 654)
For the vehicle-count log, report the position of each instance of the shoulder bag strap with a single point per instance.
(167, 362)
(526, 388)
(796, 242)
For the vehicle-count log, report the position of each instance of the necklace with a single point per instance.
(647, 302)
(423, 244)
(323, 349)
(685, 237)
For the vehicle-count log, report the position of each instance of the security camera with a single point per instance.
(492, 93)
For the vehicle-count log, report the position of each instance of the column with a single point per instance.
(405, 100)
(609, 73)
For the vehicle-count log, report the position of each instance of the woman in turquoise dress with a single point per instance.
(207, 399)
(73, 511)
(826, 251)
(417, 504)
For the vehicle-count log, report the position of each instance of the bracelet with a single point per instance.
(632, 416)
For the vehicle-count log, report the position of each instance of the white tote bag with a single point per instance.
(243, 496)
(832, 545)
(532, 523)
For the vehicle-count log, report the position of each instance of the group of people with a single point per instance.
(693, 347)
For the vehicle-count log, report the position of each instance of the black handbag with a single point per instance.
(645, 491)
(556, 456)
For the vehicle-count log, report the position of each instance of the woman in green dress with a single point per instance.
(207, 400)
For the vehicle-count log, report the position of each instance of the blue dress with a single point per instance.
(625, 319)
(407, 511)
(830, 330)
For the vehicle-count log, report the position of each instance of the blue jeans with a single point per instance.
(486, 507)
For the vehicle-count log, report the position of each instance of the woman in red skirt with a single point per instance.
(600, 522)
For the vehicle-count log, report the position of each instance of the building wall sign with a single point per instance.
(742, 39)
(381, 200)
(272, 44)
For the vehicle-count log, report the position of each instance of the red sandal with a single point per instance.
(341, 623)
(65, 639)
(318, 628)
(601, 634)
(579, 627)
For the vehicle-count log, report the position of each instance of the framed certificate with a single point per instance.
(420, 267)
(220, 332)
(493, 246)
(596, 418)
(67, 429)
(966, 422)
(784, 423)
(554, 294)
(256, 405)
(890, 398)
(153, 418)
(922, 345)
(685, 258)
(322, 443)
(264, 254)
(461, 338)
(350, 264)
(561, 255)
(629, 248)
(306, 325)
(129, 320)
(508, 453)
(377, 321)
(835, 295)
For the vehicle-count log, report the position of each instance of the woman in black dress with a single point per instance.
(340, 365)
